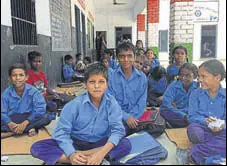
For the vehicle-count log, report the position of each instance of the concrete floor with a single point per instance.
(29, 160)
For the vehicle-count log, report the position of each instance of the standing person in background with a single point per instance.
(207, 105)
(179, 57)
(100, 45)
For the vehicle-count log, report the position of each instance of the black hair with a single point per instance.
(17, 66)
(95, 68)
(215, 68)
(103, 58)
(158, 72)
(125, 46)
(108, 51)
(68, 57)
(88, 59)
(32, 55)
(192, 67)
(139, 41)
(179, 47)
(78, 54)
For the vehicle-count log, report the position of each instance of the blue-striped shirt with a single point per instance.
(80, 119)
(175, 93)
(131, 94)
(31, 101)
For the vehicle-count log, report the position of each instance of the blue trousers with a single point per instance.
(207, 143)
(36, 123)
(174, 120)
(49, 151)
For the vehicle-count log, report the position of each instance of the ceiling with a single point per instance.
(108, 4)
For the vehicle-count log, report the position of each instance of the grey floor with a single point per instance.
(29, 160)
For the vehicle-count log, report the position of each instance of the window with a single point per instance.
(208, 41)
(163, 41)
(23, 22)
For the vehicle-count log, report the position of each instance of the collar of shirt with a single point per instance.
(179, 85)
(135, 72)
(13, 92)
(87, 99)
(221, 91)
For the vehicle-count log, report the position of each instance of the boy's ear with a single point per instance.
(218, 77)
(26, 77)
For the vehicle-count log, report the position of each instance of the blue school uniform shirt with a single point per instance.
(157, 86)
(80, 119)
(172, 70)
(31, 101)
(201, 106)
(175, 93)
(155, 63)
(68, 72)
(113, 64)
(131, 94)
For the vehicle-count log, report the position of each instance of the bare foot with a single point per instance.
(32, 133)
(6, 134)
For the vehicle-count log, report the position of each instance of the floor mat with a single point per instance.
(16, 145)
(179, 137)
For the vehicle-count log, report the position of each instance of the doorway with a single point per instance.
(123, 34)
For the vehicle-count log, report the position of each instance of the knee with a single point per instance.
(195, 134)
(35, 149)
(126, 144)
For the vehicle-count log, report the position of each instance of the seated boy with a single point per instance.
(129, 86)
(23, 107)
(176, 97)
(68, 72)
(157, 84)
(37, 78)
(79, 66)
(109, 56)
(89, 128)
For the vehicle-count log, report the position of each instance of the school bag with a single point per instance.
(152, 122)
(146, 150)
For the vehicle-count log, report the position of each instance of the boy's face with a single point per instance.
(18, 78)
(139, 45)
(106, 63)
(126, 59)
(36, 63)
(186, 76)
(96, 86)
(70, 61)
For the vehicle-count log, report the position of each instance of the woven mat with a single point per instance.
(16, 145)
(179, 137)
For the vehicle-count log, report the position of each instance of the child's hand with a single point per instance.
(132, 122)
(95, 159)
(12, 126)
(20, 128)
(78, 159)
(209, 120)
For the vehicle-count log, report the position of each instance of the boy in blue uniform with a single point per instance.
(205, 103)
(68, 72)
(89, 128)
(129, 86)
(157, 84)
(23, 107)
(175, 99)
(179, 58)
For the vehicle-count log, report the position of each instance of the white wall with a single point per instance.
(164, 13)
(221, 36)
(42, 9)
(107, 21)
(6, 13)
